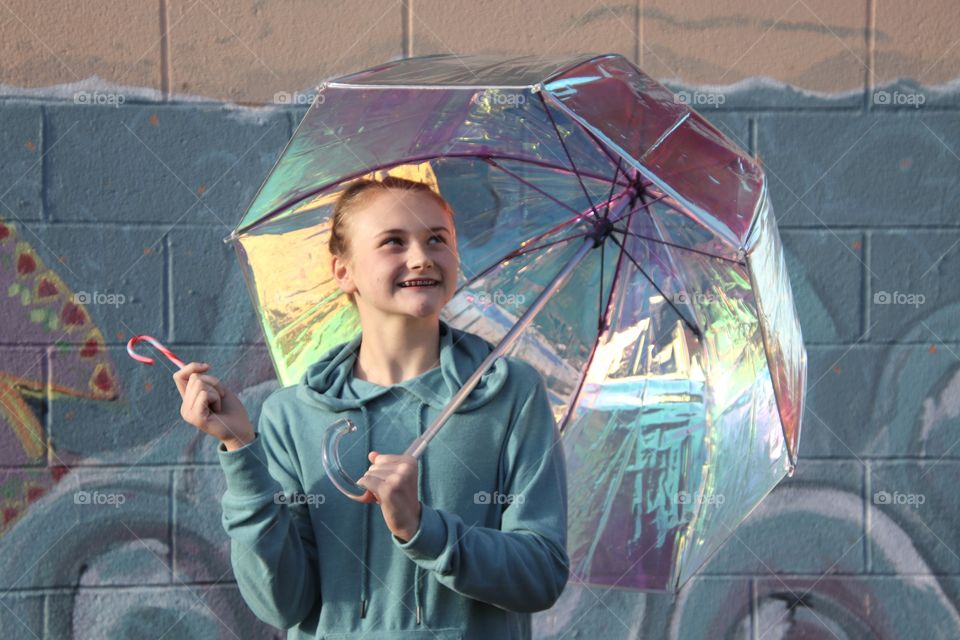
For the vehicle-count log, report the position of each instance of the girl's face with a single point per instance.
(399, 236)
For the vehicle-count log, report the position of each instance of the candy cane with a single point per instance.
(156, 343)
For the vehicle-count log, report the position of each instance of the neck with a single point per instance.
(399, 349)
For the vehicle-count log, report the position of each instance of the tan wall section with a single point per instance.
(917, 40)
(246, 51)
(45, 43)
(813, 44)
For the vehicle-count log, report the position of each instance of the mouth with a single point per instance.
(419, 283)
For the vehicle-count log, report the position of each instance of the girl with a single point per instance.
(468, 542)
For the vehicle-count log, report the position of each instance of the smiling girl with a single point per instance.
(465, 542)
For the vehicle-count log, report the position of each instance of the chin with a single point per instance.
(423, 311)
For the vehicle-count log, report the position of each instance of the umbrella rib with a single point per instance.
(520, 252)
(677, 246)
(603, 246)
(633, 211)
(578, 215)
(537, 163)
(311, 193)
(603, 325)
(516, 253)
(616, 172)
(664, 242)
(600, 143)
(567, 151)
(513, 175)
(654, 284)
(606, 214)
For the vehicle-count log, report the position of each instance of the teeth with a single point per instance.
(412, 283)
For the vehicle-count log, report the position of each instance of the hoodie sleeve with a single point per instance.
(523, 566)
(273, 550)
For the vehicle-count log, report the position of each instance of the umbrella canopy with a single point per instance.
(673, 355)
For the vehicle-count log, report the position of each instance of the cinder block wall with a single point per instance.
(131, 138)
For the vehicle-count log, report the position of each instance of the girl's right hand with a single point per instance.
(211, 407)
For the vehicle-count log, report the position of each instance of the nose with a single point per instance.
(418, 257)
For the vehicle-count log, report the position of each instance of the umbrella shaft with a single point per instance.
(418, 446)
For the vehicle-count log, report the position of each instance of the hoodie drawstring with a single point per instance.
(364, 561)
(417, 571)
(364, 568)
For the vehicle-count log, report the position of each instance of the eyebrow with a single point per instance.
(403, 231)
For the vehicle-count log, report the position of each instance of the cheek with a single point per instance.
(385, 275)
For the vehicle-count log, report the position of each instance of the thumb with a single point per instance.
(372, 456)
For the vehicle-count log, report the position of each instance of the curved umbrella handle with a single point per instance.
(156, 343)
(331, 438)
(330, 456)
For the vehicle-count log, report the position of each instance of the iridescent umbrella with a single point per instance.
(609, 236)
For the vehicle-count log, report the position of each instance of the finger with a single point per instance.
(390, 458)
(404, 466)
(198, 410)
(198, 382)
(368, 497)
(394, 460)
(190, 394)
(206, 397)
(182, 376)
(372, 484)
(378, 474)
(194, 384)
(383, 484)
(213, 392)
(194, 389)
(213, 382)
(215, 389)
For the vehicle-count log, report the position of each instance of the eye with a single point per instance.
(440, 238)
(388, 240)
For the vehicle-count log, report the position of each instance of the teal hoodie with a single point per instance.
(491, 547)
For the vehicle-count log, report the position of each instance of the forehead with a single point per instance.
(399, 209)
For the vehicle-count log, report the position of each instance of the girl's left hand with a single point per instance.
(391, 481)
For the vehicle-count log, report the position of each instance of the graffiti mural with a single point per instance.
(110, 504)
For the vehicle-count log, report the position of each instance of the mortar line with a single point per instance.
(867, 286)
(867, 516)
(406, 28)
(41, 147)
(171, 529)
(169, 329)
(871, 42)
(164, 53)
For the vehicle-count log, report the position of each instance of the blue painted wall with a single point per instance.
(111, 526)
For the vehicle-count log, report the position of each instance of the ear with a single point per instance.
(341, 273)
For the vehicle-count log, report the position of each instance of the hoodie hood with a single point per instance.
(461, 353)
(325, 383)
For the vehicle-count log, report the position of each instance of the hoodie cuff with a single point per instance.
(245, 469)
(428, 542)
